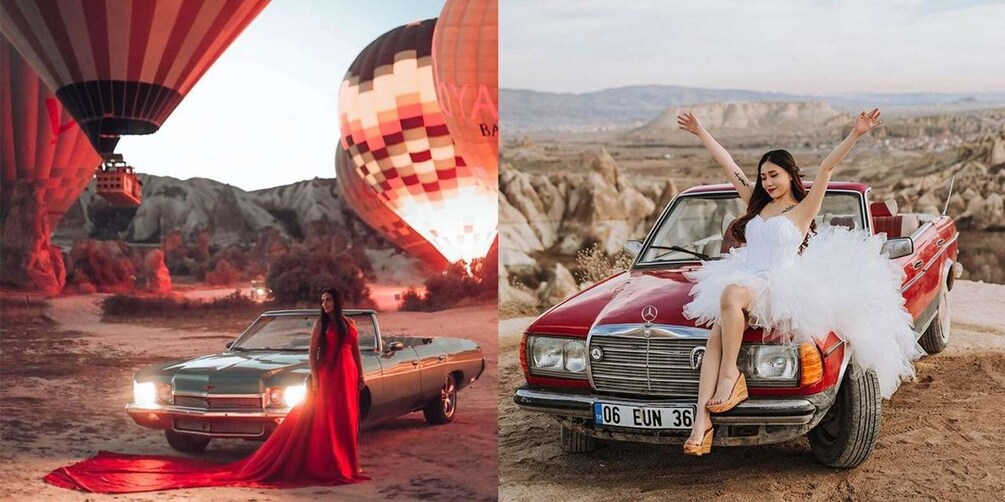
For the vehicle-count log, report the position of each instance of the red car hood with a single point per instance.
(620, 300)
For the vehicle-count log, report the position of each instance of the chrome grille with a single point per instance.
(219, 426)
(655, 366)
(219, 403)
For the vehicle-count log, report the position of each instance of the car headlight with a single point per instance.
(773, 363)
(561, 357)
(289, 396)
(144, 393)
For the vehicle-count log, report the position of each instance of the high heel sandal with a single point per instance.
(704, 447)
(736, 396)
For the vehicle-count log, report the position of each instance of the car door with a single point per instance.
(923, 275)
(398, 392)
(432, 369)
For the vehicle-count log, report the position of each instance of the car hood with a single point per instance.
(620, 300)
(236, 372)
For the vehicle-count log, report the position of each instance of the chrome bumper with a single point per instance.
(180, 411)
(754, 421)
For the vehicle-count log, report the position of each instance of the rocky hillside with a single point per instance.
(567, 212)
(625, 107)
(759, 119)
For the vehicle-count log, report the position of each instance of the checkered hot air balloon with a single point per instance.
(121, 67)
(41, 143)
(466, 64)
(377, 215)
(393, 131)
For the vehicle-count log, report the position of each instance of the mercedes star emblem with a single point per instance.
(597, 353)
(649, 313)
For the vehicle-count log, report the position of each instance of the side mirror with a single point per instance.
(230, 344)
(899, 247)
(395, 346)
(633, 247)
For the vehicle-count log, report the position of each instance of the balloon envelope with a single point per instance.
(41, 143)
(466, 60)
(121, 67)
(359, 197)
(393, 131)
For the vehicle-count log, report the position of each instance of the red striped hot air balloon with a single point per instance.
(41, 143)
(466, 60)
(373, 212)
(121, 67)
(393, 131)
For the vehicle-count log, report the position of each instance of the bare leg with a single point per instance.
(735, 298)
(706, 384)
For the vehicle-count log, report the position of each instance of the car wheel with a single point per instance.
(848, 432)
(576, 442)
(441, 410)
(936, 337)
(186, 443)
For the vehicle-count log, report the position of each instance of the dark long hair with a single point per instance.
(760, 197)
(341, 327)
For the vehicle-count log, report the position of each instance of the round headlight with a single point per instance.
(164, 393)
(144, 393)
(575, 356)
(546, 353)
(295, 394)
(276, 397)
(775, 362)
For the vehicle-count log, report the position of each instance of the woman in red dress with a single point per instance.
(315, 444)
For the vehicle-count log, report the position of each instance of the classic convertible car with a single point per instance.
(246, 391)
(619, 361)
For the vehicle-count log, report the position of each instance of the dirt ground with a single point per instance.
(65, 378)
(941, 437)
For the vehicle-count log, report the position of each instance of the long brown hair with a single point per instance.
(341, 327)
(760, 197)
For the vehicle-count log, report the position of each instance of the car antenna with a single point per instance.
(950, 194)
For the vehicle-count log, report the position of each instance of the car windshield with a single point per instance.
(693, 228)
(293, 333)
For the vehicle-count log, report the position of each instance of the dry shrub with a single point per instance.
(596, 265)
(122, 304)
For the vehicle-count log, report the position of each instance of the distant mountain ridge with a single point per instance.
(625, 107)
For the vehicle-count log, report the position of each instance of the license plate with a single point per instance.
(644, 417)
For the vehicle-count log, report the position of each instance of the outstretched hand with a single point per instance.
(866, 121)
(689, 123)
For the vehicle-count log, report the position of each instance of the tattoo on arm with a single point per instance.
(741, 180)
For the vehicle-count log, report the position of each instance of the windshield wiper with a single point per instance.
(682, 250)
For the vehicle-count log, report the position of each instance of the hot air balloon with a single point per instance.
(41, 142)
(373, 212)
(393, 132)
(465, 59)
(121, 67)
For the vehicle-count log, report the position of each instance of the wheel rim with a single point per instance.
(448, 397)
(944, 314)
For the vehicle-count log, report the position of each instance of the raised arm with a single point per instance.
(734, 174)
(312, 352)
(808, 208)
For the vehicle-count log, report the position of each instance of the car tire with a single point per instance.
(936, 337)
(576, 442)
(186, 443)
(848, 432)
(442, 409)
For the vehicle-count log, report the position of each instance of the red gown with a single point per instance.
(315, 445)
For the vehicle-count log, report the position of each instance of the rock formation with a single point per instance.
(28, 260)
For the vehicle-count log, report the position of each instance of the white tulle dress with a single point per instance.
(840, 283)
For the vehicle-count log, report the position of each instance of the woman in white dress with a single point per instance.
(773, 284)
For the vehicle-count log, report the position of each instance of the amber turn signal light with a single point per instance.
(811, 364)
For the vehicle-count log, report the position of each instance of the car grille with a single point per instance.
(219, 403)
(650, 366)
(219, 426)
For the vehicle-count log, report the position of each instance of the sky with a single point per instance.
(792, 46)
(266, 113)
